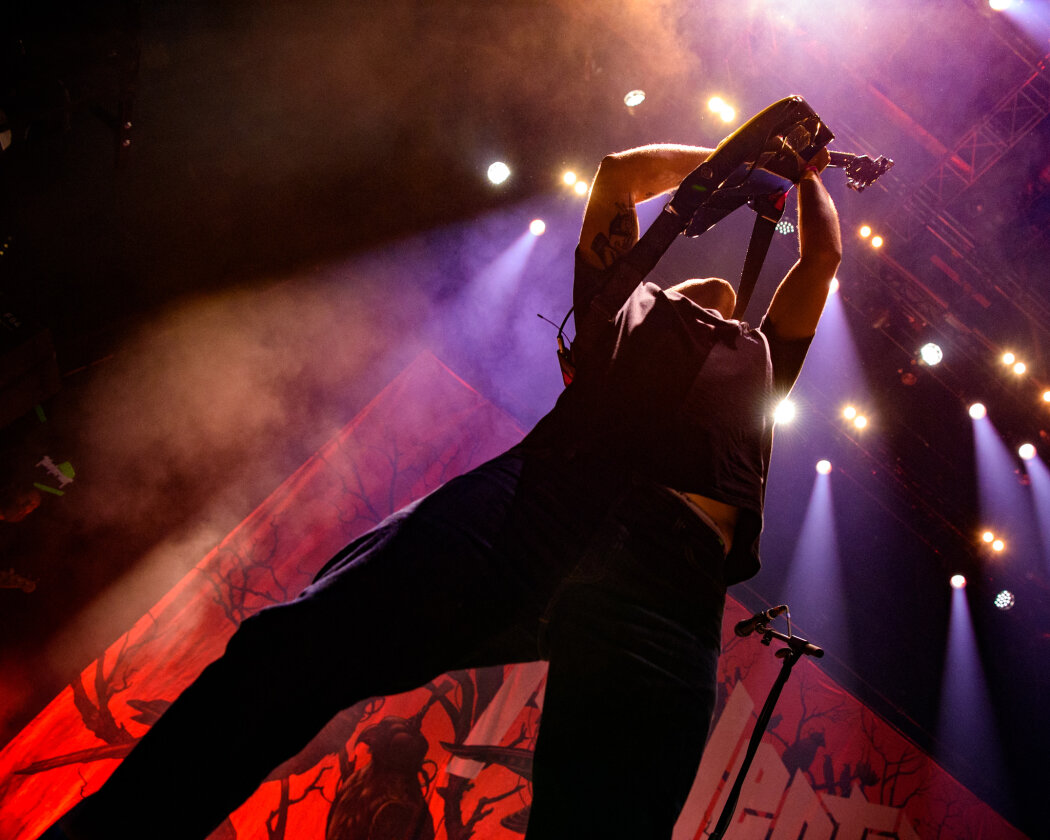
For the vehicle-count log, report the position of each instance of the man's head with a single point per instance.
(710, 293)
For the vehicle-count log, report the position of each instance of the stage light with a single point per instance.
(1046, 396)
(958, 582)
(876, 242)
(634, 97)
(865, 231)
(998, 545)
(834, 287)
(537, 227)
(499, 172)
(1019, 368)
(580, 187)
(722, 108)
(1026, 451)
(978, 411)
(784, 412)
(987, 537)
(569, 178)
(1000, 5)
(785, 227)
(1009, 358)
(1005, 600)
(823, 466)
(931, 354)
(851, 413)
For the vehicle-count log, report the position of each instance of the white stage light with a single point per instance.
(784, 412)
(499, 172)
(931, 354)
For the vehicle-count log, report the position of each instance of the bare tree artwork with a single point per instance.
(277, 822)
(97, 715)
(903, 772)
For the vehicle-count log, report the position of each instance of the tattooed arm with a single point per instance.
(610, 223)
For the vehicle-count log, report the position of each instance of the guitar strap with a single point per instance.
(768, 209)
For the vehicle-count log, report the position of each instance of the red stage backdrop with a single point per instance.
(828, 767)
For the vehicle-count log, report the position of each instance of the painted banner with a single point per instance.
(827, 768)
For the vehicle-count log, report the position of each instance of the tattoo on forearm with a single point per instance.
(623, 232)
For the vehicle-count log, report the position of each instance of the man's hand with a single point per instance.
(816, 165)
(782, 160)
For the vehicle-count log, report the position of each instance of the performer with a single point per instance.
(603, 543)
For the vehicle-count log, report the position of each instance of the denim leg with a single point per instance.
(633, 642)
(455, 580)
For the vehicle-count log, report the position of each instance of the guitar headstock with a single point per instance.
(862, 171)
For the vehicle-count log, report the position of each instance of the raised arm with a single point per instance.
(610, 223)
(799, 299)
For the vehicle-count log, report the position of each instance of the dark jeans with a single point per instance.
(614, 581)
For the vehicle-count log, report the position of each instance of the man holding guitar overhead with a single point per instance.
(603, 542)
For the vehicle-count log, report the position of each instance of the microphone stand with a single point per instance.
(797, 647)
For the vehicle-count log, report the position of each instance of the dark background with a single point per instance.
(235, 223)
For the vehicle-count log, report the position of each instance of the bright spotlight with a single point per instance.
(987, 537)
(978, 411)
(998, 545)
(1019, 368)
(1046, 396)
(849, 412)
(1004, 600)
(1009, 358)
(784, 412)
(931, 354)
(635, 97)
(958, 582)
(834, 287)
(860, 421)
(1000, 5)
(823, 466)
(865, 231)
(537, 227)
(499, 172)
(580, 187)
(876, 242)
(722, 108)
(569, 178)
(1026, 451)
